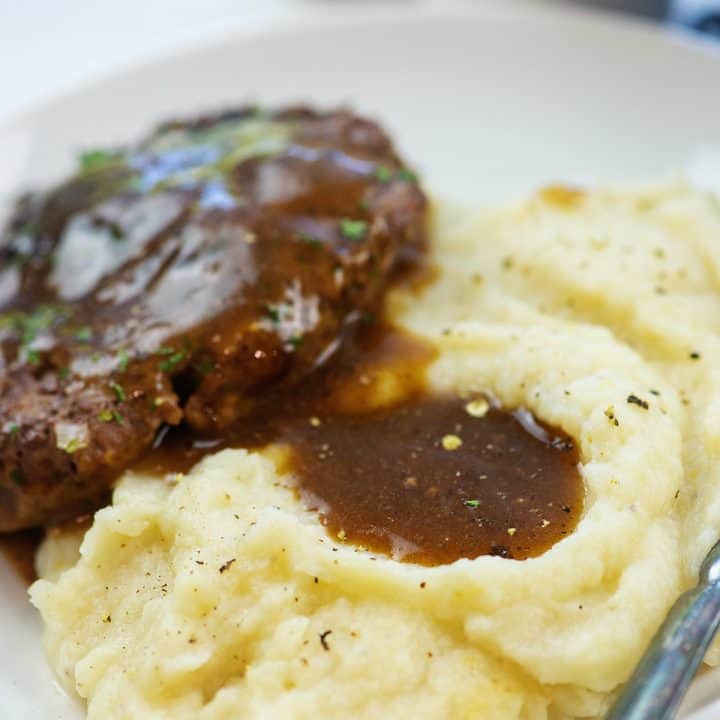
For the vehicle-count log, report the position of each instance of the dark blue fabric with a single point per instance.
(699, 15)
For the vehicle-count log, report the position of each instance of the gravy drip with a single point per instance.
(19, 549)
(397, 470)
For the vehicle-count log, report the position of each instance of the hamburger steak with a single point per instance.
(180, 279)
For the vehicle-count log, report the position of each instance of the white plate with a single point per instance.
(489, 103)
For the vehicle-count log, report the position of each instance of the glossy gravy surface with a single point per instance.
(217, 260)
(398, 470)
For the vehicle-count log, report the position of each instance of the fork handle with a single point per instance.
(660, 681)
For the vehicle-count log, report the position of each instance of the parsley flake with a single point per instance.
(172, 361)
(383, 173)
(33, 357)
(272, 313)
(84, 334)
(119, 392)
(74, 445)
(94, 159)
(353, 229)
(123, 360)
(111, 415)
(407, 175)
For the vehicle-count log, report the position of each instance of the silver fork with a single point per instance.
(669, 664)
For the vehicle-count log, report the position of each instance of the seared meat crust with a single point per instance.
(179, 280)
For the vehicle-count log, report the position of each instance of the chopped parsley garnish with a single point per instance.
(64, 373)
(17, 476)
(70, 437)
(272, 313)
(29, 325)
(471, 503)
(123, 359)
(407, 175)
(12, 429)
(353, 229)
(84, 334)
(111, 415)
(295, 342)
(93, 159)
(73, 446)
(383, 173)
(119, 392)
(33, 357)
(172, 361)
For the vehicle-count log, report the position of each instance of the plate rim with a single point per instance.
(372, 15)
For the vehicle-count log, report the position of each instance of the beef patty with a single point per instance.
(180, 279)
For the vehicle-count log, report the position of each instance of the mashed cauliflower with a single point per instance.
(217, 595)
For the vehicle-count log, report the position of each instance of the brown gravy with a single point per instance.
(390, 481)
(422, 477)
(19, 549)
(387, 464)
(425, 478)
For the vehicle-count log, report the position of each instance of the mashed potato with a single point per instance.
(217, 595)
